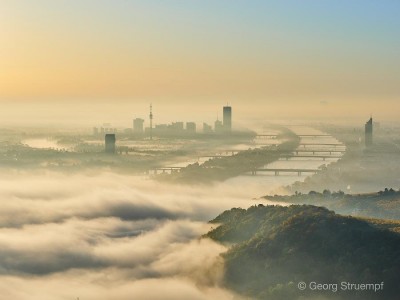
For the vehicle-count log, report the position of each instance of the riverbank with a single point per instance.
(359, 170)
(223, 168)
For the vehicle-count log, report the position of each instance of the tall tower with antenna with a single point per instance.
(151, 121)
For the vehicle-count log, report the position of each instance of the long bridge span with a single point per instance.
(278, 171)
(323, 157)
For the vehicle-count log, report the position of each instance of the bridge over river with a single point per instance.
(306, 150)
(277, 171)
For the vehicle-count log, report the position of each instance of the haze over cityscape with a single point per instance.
(337, 58)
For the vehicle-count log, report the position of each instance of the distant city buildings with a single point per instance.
(369, 133)
(218, 126)
(175, 129)
(109, 143)
(159, 127)
(207, 129)
(138, 126)
(191, 127)
(128, 131)
(176, 126)
(103, 130)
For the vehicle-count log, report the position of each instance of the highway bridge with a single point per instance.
(278, 171)
(313, 135)
(321, 144)
(315, 151)
(266, 136)
(155, 171)
(323, 157)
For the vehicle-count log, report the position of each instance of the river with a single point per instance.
(267, 181)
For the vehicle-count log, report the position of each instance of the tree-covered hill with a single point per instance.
(383, 204)
(274, 248)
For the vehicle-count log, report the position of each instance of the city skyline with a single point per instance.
(172, 127)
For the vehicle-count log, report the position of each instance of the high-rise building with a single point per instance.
(368, 133)
(176, 127)
(227, 118)
(207, 128)
(138, 125)
(110, 143)
(218, 127)
(191, 127)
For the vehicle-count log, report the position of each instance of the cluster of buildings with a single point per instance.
(105, 129)
(178, 128)
(223, 127)
(181, 128)
(175, 128)
(172, 129)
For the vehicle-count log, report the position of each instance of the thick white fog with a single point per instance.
(109, 236)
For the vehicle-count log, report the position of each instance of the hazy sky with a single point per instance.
(278, 55)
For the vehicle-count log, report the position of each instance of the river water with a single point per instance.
(42, 143)
(267, 181)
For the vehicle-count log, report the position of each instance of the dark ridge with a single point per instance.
(277, 247)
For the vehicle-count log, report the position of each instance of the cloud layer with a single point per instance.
(109, 237)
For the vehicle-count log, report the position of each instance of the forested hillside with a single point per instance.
(273, 248)
(383, 204)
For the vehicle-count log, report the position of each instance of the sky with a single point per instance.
(269, 59)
